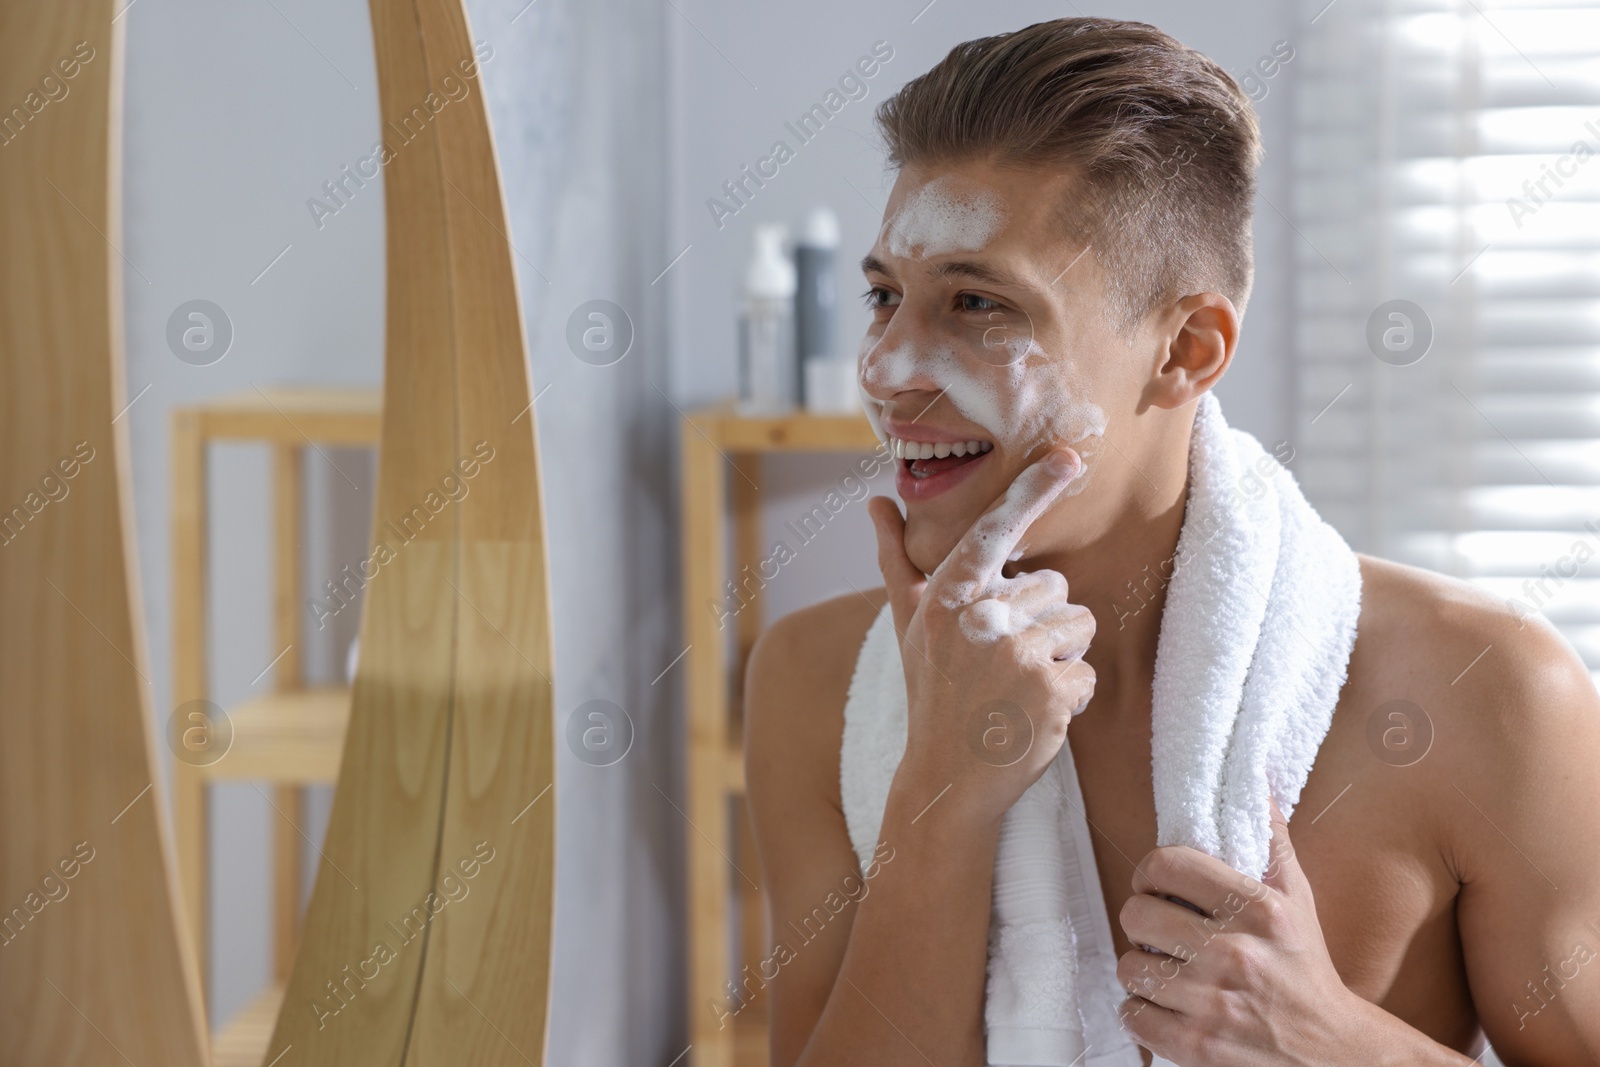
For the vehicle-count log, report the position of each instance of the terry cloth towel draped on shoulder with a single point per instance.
(1255, 640)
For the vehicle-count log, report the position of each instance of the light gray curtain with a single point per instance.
(576, 92)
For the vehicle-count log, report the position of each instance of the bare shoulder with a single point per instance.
(795, 688)
(1429, 633)
(1500, 798)
(1500, 697)
(819, 640)
(796, 683)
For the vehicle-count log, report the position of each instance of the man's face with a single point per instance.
(988, 326)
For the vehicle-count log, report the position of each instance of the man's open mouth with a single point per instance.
(926, 458)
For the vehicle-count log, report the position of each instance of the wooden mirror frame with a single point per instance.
(440, 847)
(95, 965)
(448, 767)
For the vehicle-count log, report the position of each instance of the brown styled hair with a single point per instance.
(1163, 141)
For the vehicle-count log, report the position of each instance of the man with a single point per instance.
(1081, 191)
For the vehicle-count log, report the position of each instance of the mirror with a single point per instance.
(446, 775)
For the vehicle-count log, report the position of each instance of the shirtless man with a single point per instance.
(1411, 911)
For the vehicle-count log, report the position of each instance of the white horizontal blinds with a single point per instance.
(1448, 153)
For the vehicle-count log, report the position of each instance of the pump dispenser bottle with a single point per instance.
(768, 373)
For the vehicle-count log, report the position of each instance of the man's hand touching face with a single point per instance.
(993, 665)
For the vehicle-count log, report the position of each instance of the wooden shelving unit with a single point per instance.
(291, 737)
(243, 1041)
(715, 438)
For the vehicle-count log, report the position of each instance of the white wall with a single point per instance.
(747, 69)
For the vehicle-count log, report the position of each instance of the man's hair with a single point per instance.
(1163, 142)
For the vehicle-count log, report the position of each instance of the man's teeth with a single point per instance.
(904, 449)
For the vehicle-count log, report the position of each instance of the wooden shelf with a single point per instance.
(242, 1041)
(294, 737)
(291, 415)
(714, 437)
(797, 431)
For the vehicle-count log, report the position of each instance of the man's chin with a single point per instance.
(928, 543)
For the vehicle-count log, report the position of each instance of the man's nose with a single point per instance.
(901, 359)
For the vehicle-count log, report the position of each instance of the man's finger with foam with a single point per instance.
(973, 568)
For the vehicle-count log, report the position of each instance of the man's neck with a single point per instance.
(1122, 578)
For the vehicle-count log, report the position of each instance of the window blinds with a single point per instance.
(1446, 165)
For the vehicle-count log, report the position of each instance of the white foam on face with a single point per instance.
(1024, 405)
(942, 217)
(887, 370)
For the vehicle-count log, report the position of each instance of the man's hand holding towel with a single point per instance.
(1249, 973)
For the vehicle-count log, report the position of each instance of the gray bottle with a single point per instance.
(816, 303)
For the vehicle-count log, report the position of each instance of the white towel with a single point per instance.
(1255, 641)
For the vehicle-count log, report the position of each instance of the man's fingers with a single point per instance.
(900, 576)
(1201, 881)
(1283, 866)
(976, 560)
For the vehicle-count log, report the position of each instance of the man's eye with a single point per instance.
(974, 302)
(878, 297)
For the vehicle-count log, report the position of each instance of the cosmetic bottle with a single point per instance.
(828, 378)
(768, 379)
(816, 302)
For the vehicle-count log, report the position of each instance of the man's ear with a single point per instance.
(1200, 334)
